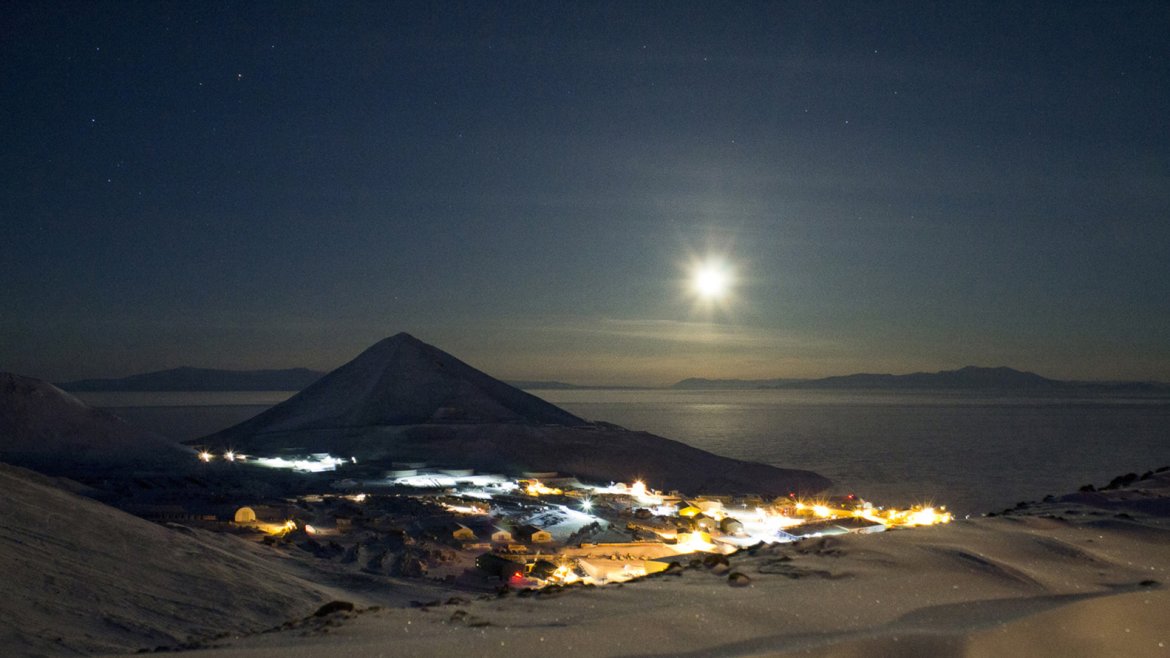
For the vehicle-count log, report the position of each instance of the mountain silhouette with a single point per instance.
(405, 400)
(202, 379)
(403, 381)
(969, 377)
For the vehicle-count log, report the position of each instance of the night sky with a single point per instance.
(894, 187)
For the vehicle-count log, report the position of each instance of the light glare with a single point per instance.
(711, 281)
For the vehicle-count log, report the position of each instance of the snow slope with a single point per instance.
(79, 576)
(45, 428)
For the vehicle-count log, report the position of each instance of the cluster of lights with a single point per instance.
(206, 456)
(535, 488)
(917, 515)
(644, 495)
(463, 509)
(764, 523)
(278, 529)
(638, 491)
(563, 575)
(696, 542)
(313, 464)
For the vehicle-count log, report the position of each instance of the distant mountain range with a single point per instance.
(700, 383)
(297, 379)
(552, 385)
(546, 385)
(202, 379)
(967, 378)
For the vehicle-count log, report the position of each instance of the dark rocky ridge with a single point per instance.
(973, 378)
(969, 377)
(202, 379)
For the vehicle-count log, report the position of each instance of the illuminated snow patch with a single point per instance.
(426, 481)
(496, 483)
(316, 463)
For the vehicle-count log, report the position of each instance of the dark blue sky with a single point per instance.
(898, 187)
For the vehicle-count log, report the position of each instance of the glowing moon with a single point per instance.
(711, 280)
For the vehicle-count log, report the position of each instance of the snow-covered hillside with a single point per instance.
(79, 576)
(46, 428)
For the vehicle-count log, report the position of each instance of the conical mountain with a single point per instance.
(45, 428)
(404, 381)
(404, 400)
